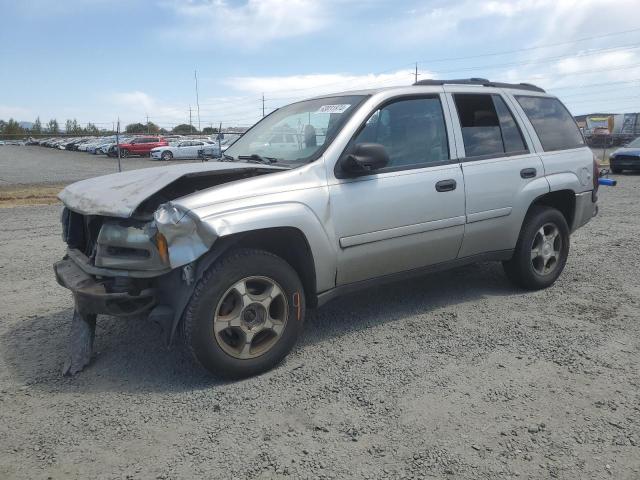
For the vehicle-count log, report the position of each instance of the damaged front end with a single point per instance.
(130, 251)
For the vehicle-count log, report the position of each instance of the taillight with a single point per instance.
(596, 173)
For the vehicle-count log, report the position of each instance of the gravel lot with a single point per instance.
(456, 375)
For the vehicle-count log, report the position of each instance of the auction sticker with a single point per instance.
(333, 108)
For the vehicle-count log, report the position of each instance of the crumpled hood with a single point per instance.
(119, 194)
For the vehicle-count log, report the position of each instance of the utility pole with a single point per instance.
(118, 145)
(195, 74)
(191, 124)
(263, 105)
(416, 73)
(147, 124)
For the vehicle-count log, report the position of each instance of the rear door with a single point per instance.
(409, 214)
(502, 172)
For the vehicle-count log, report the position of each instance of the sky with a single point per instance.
(100, 60)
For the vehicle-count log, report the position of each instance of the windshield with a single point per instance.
(295, 134)
(635, 143)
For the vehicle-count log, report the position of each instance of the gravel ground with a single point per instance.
(41, 165)
(456, 375)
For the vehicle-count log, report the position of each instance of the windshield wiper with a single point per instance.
(255, 158)
(227, 158)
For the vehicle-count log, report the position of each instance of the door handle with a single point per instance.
(446, 185)
(528, 173)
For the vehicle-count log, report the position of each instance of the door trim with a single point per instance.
(389, 233)
(488, 214)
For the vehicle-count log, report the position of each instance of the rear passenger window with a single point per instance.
(556, 128)
(488, 127)
(412, 131)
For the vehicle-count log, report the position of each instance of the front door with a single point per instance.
(409, 214)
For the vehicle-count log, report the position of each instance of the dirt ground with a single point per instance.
(455, 375)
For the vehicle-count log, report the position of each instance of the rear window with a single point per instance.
(556, 128)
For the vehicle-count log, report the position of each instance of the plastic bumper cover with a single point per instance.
(93, 295)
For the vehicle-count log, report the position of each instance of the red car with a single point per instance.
(141, 146)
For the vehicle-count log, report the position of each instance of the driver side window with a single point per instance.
(412, 131)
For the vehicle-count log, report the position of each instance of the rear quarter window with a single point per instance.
(554, 125)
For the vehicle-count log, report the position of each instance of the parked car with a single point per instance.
(141, 146)
(626, 158)
(180, 150)
(406, 181)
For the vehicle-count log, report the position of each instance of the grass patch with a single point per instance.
(19, 195)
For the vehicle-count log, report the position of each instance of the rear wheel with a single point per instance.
(542, 249)
(245, 314)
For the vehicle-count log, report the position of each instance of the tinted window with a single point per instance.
(488, 127)
(412, 131)
(556, 128)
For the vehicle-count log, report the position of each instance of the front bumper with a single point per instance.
(103, 295)
(625, 163)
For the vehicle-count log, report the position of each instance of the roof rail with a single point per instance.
(481, 82)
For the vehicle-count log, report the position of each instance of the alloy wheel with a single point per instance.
(546, 249)
(250, 317)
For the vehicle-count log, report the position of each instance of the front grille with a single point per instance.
(81, 231)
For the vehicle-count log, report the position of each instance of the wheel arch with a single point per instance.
(562, 200)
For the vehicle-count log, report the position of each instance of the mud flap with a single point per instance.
(83, 332)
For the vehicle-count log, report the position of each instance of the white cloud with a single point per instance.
(253, 23)
(17, 113)
(317, 84)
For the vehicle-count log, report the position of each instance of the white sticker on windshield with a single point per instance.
(333, 108)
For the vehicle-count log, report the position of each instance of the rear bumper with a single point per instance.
(100, 296)
(586, 209)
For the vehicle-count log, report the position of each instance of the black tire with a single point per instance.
(208, 296)
(521, 269)
(166, 156)
(124, 153)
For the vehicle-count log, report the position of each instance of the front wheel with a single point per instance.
(124, 153)
(542, 249)
(166, 156)
(245, 314)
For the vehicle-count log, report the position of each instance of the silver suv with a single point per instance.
(371, 186)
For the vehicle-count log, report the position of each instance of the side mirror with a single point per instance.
(365, 158)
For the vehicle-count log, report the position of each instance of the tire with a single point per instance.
(124, 153)
(219, 319)
(537, 261)
(166, 156)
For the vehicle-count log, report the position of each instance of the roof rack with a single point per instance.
(481, 82)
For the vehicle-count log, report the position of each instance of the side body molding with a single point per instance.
(286, 214)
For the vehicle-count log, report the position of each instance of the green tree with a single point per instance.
(53, 127)
(152, 128)
(13, 128)
(37, 126)
(184, 129)
(209, 130)
(135, 128)
(91, 129)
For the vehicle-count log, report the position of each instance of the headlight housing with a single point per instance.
(180, 235)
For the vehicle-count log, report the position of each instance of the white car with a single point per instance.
(185, 149)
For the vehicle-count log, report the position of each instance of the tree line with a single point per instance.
(13, 129)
